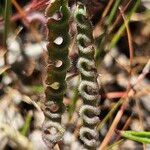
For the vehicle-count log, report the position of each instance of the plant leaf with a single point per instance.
(142, 137)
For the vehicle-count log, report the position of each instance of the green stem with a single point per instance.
(113, 12)
(112, 146)
(101, 125)
(74, 100)
(6, 21)
(26, 126)
(6, 25)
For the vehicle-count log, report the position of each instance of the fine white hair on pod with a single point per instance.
(90, 109)
(84, 49)
(52, 115)
(94, 136)
(89, 65)
(55, 130)
(79, 17)
(84, 93)
(83, 37)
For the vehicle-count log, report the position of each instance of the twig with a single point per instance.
(114, 144)
(113, 126)
(21, 12)
(125, 126)
(140, 118)
(112, 95)
(26, 21)
(100, 126)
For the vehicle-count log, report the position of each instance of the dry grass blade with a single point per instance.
(111, 147)
(125, 126)
(140, 118)
(17, 32)
(101, 125)
(145, 71)
(28, 100)
(104, 14)
(120, 112)
(2, 52)
(119, 17)
(21, 12)
(113, 126)
(3, 69)
(131, 50)
(122, 28)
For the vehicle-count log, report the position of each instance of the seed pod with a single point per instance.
(88, 88)
(57, 14)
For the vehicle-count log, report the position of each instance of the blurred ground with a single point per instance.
(21, 78)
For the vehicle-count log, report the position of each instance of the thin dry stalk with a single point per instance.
(143, 92)
(21, 12)
(120, 64)
(125, 127)
(23, 15)
(106, 11)
(98, 26)
(113, 126)
(112, 95)
(131, 50)
(140, 118)
(119, 17)
(3, 69)
(17, 32)
(120, 112)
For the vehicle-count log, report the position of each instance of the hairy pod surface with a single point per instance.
(57, 14)
(88, 88)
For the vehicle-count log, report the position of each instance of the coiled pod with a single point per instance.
(57, 14)
(88, 88)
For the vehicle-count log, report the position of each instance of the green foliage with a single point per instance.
(26, 126)
(37, 88)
